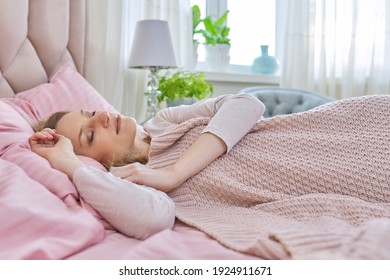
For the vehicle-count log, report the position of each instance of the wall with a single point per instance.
(231, 83)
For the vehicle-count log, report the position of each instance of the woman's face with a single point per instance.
(101, 135)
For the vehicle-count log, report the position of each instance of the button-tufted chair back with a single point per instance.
(282, 101)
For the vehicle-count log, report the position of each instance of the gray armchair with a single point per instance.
(282, 101)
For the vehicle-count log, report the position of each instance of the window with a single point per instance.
(252, 23)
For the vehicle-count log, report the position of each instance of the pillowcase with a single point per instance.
(66, 90)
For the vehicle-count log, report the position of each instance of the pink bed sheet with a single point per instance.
(181, 243)
(36, 224)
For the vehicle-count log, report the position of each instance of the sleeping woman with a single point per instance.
(281, 187)
(115, 140)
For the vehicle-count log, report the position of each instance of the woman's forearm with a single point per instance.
(232, 117)
(232, 122)
(68, 165)
(200, 154)
(134, 210)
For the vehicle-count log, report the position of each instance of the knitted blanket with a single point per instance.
(308, 185)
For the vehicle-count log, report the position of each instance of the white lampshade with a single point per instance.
(152, 45)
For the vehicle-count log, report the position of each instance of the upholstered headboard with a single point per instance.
(36, 37)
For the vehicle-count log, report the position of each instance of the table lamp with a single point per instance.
(152, 49)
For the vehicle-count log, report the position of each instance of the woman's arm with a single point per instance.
(200, 154)
(134, 210)
(232, 117)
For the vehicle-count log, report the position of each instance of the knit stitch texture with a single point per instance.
(308, 185)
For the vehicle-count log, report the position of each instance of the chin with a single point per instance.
(128, 128)
(128, 123)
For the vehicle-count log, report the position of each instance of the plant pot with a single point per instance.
(217, 57)
(181, 101)
(194, 56)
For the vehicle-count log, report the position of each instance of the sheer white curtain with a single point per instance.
(111, 26)
(338, 48)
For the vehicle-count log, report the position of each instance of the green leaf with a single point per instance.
(209, 25)
(215, 31)
(222, 19)
(182, 84)
(196, 17)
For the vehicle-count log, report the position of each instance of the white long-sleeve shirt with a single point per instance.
(137, 211)
(140, 211)
(232, 117)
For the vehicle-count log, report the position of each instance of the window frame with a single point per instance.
(218, 7)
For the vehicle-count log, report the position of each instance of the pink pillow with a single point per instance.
(66, 90)
(14, 147)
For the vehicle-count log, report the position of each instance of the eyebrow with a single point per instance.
(81, 129)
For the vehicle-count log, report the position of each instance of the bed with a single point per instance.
(42, 61)
(42, 217)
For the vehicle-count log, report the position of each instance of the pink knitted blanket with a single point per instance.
(308, 185)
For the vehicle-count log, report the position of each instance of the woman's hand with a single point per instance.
(43, 142)
(200, 154)
(160, 179)
(57, 149)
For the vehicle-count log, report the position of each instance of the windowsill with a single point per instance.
(234, 77)
(236, 74)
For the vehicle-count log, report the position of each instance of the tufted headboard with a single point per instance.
(36, 37)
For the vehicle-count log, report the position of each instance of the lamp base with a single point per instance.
(151, 103)
(152, 93)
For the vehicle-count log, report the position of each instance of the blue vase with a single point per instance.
(265, 64)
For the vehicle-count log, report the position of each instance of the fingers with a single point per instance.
(126, 171)
(48, 144)
(45, 134)
(45, 138)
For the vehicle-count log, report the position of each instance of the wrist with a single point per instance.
(68, 165)
(179, 175)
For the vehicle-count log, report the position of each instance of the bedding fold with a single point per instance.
(36, 224)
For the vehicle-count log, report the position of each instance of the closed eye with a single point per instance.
(90, 136)
(91, 133)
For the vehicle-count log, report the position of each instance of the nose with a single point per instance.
(102, 118)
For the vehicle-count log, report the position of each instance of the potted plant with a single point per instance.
(217, 42)
(183, 87)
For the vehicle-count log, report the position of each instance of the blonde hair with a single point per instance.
(50, 122)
